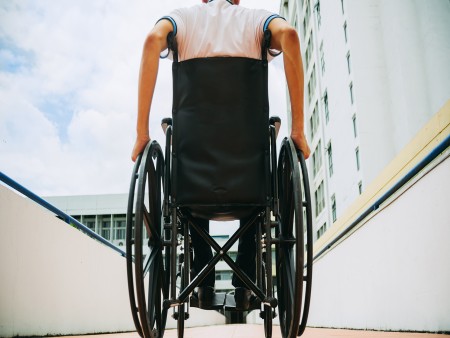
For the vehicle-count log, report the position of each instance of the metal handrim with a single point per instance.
(148, 220)
(289, 259)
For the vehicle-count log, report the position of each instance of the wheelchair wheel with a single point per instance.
(290, 250)
(148, 281)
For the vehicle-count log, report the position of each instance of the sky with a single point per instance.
(68, 90)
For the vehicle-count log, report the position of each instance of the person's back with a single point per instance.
(219, 29)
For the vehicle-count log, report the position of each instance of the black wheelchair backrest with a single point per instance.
(220, 147)
(220, 135)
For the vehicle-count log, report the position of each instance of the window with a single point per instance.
(119, 229)
(232, 255)
(330, 159)
(309, 51)
(307, 11)
(89, 221)
(345, 31)
(120, 233)
(223, 275)
(325, 103)
(314, 121)
(312, 84)
(320, 199)
(317, 158)
(304, 28)
(321, 230)
(317, 8)
(322, 58)
(351, 92)
(105, 232)
(357, 158)
(333, 207)
(348, 63)
(360, 187)
(355, 131)
(91, 225)
(220, 237)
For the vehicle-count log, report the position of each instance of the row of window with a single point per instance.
(317, 153)
(315, 120)
(321, 230)
(102, 225)
(319, 196)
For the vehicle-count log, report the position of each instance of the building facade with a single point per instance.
(375, 72)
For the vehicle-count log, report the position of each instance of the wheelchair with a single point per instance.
(219, 163)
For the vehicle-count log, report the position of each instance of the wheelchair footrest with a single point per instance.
(217, 303)
(230, 304)
(223, 301)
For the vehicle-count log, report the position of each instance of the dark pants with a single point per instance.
(245, 257)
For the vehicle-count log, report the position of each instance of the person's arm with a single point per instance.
(155, 43)
(285, 39)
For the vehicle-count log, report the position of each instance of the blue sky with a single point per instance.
(68, 90)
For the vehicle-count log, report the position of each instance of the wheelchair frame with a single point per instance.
(162, 229)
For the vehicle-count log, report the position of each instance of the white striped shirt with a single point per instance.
(219, 28)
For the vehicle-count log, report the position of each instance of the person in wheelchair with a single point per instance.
(218, 28)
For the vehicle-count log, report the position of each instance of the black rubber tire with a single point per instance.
(129, 247)
(308, 272)
(290, 251)
(148, 233)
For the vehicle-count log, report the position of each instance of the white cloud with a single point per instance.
(86, 54)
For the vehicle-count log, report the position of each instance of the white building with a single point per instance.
(375, 73)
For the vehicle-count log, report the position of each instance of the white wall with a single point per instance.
(393, 273)
(54, 279)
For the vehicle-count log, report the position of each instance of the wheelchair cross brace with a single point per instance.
(221, 253)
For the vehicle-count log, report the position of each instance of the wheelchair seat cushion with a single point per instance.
(220, 145)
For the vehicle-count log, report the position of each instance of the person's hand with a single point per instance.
(139, 146)
(301, 143)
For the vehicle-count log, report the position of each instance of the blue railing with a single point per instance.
(413, 172)
(66, 218)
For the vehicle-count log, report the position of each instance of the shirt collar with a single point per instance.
(229, 1)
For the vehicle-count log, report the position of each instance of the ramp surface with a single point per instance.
(257, 331)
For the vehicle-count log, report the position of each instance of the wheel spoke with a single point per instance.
(150, 226)
(150, 261)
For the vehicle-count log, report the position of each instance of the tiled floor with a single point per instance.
(257, 331)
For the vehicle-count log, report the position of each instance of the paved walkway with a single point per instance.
(257, 331)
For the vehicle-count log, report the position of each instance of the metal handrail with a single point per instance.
(66, 218)
(413, 172)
